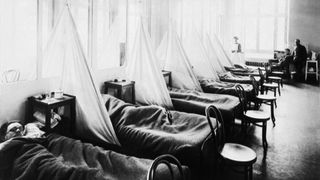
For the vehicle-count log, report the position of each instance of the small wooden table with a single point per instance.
(121, 87)
(53, 104)
(311, 64)
(167, 74)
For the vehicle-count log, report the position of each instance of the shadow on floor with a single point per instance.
(294, 143)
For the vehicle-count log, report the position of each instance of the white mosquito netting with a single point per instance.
(64, 48)
(197, 54)
(142, 67)
(216, 53)
(174, 58)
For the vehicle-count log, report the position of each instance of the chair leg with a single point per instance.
(221, 173)
(275, 92)
(281, 83)
(264, 135)
(272, 113)
(279, 90)
(250, 172)
(246, 172)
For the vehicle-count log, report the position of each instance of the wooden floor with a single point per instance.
(294, 143)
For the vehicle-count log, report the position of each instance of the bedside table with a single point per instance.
(52, 104)
(311, 64)
(123, 90)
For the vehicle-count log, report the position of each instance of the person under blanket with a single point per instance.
(26, 156)
(14, 128)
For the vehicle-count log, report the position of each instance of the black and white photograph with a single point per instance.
(159, 89)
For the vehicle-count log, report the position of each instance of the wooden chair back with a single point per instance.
(255, 85)
(242, 98)
(167, 160)
(218, 132)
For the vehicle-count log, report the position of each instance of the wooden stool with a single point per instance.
(311, 64)
(230, 154)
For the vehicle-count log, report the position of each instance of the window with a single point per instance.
(80, 13)
(109, 33)
(261, 25)
(18, 40)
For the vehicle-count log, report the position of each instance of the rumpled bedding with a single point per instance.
(196, 102)
(229, 77)
(147, 131)
(57, 157)
(246, 73)
(218, 87)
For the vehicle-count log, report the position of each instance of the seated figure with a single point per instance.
(284, 63)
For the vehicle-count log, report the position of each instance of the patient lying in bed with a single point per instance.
(28, 154)
(14, 129)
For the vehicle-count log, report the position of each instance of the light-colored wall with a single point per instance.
(304, 23)
(13, 96)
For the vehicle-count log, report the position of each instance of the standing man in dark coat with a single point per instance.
(299, 58)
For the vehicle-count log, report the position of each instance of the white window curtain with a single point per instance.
(109, 33)
(81, 13)
(175, 60)
(142, 68)
(137, 9)
(92, 119)
(159, 20)
(18, 40)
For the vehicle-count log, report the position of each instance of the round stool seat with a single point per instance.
(270, 85)
(266, 97)
(239, 154)
(257, 116)
(275, 78)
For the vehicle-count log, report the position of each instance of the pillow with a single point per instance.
(32, 130)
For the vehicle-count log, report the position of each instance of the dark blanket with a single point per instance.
(146, 131)
(218, 87)
(196, 102)
(229, 77)
(58, 157)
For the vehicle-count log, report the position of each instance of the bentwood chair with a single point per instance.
(169, 161)
(229, 154)
(264, 98)
(258, 118)
(265, 86)
(274, 78)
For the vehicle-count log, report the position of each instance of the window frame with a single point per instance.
(276, 15)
